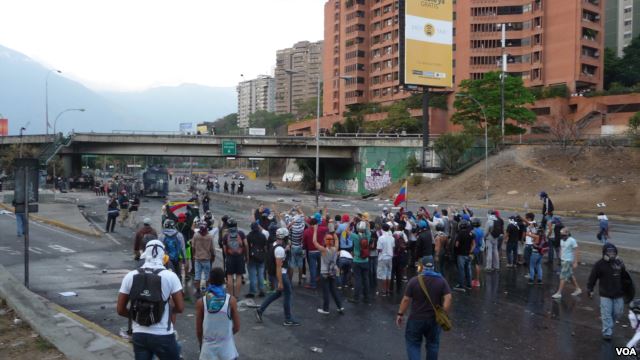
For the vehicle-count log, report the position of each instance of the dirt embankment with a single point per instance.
(576, 179)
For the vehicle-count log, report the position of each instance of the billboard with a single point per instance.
(4, 127)
(426, 43)
(202, 129)
(257, 131)
(186, 127)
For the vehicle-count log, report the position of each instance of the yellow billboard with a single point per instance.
(428, 43)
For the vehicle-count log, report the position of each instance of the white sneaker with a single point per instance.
(577, 292)
(321, 311)
(557, 296)
(526, 276)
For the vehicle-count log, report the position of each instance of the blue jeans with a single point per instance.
(415, 331)
(202, 267)
(512, 252)
(361, 272)
(20, 220)
(145, 346)
(256, 276)
(610, 311)
(314, 263)
(286, 290)
(345, 269)
(535, 265)
(464, 270)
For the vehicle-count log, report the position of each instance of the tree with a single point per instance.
(633, 130)
(487, 92)
(13, 152)
(272, 122)
(307, 109)
(612, 68)
(451, 147)
(564, 130)
(625, 70)
(227, 125)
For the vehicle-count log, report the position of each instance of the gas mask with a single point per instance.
(610, 255)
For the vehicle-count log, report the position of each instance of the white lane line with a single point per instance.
(106, 234)
(54, 229)
(36, 250)
(62, 249)
(9, 250)
(88, 266)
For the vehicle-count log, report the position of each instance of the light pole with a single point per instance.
(46, 98)
(503, 73)
(21, 130)
(486, 144)
(55, 122)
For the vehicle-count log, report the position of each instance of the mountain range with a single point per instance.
(22, 101)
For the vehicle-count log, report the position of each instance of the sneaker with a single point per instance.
(606, 337)
(341, 311)
(339, 287)
(259, 315)
(577, 292)
(322, 311)
(250, 296)
(475, 283)
(526, 276)
(261, 294)
(291, 323)
(556, 296)
(459, 288)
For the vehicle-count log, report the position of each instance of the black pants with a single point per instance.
(398, 266)
(111, 222)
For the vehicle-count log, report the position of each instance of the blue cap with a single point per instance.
(422, 224)
(318, 217)
(466, 217)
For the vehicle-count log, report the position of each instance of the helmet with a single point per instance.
(231, 223)
(475, 222)
(635, 306)
(208, 214)
(169, 224)
(282, 233)
(362, 226)
(439, 227)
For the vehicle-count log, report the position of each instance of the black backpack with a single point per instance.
(498, 228)
(145, 297)
(257, 245)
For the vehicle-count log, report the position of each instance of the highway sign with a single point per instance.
(229, 148)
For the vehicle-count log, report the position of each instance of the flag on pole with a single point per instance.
(402, 194)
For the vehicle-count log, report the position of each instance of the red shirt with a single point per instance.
(307, 237)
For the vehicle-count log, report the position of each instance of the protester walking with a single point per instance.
(143, 233)
(217, 320)
(204, 255)
(112, 213)
(603, 228)
(426, 293)
(569, 257)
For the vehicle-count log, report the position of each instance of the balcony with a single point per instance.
(592, 5)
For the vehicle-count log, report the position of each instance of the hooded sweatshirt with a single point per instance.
(609, 272)
(137, 241)
(174, 232)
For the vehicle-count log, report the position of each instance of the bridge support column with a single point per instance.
(72, 165)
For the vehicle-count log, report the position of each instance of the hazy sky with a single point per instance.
(136, 44)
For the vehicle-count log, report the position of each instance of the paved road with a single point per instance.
(505, 319)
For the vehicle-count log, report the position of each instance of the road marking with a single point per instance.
(36, 250)
(62, 249)
(9, 250)
(106, 234)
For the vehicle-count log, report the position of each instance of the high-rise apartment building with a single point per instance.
(296, 75)
(254, 95)
(548, 42)
(622, 23)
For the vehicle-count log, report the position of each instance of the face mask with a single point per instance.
(610, 256)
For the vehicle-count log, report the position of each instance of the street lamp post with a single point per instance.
(486, 144)
(55, 122)
(46, 99)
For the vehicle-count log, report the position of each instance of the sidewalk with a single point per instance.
(64, 216)
(74, 336)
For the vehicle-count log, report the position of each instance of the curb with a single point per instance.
(76, 337)
(57, 223)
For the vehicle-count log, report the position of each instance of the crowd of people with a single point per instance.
(356, 257)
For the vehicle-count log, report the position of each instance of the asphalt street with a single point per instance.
(505, 319)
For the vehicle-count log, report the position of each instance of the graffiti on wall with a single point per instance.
(377, 178)
(343, 186)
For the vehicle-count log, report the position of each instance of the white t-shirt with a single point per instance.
(567, 249)
(528, 240)
(385, 245)
(279, 253)
(170, 285)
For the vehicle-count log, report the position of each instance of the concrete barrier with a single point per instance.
(76, 337)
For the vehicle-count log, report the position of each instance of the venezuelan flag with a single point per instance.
(402, 194)
(176, 205)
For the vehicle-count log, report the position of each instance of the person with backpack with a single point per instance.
(133, 210)
(138, 245)
(235, 246)
(424, 240)
(328, 269)
(361, 262)
(513, 238)
(313, 253)
(441, 241)
(279, 279)
(257, 244)
(493, 240)
(535, 262)
(174, 247)
(147, 291)
(603, 228)
(547, 209)
(554, 235)
(615, 287)
(113, 211)
(204, 255)
(217, 320)
(426, 293)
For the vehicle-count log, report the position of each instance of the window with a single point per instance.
(542, 111)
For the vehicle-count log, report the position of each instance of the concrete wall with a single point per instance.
(374, 169)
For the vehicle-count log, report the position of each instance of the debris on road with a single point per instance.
(68, 293)
(316, 349)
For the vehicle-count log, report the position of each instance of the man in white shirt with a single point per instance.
(569, 260)
(154, 338)
(385, 257)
